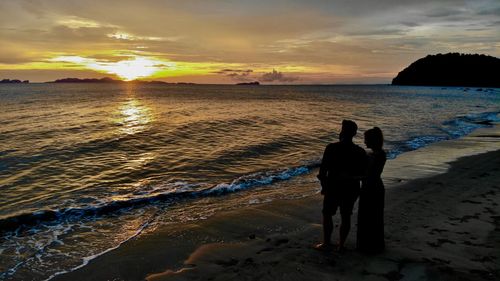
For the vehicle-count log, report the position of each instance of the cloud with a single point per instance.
(338, 39)
(248, 75)
(228, 70)
(276, 76)
(487, 12)
(76, 22)
(444, 12)
(410, 24)
(378, 31)
(494, 24)
(236, 74)
(120, 35)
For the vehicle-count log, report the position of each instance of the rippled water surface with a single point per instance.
(84, 167)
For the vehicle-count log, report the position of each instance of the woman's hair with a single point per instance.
(374, 138)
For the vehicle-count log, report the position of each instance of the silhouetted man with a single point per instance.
(340, 173)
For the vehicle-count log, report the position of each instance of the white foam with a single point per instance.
(258, 179)
(86, 260)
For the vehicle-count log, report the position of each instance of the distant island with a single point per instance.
(452, 69)
(105, 80)
(13, 81)
(255, 83)
(86, 80)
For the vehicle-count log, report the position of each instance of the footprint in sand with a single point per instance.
(483, 273)
(267, 249)
(484, 259)
(471, 201)
(393, 275)
(227, 263)
(433, 245)
(436, 260)
(489, 210)
(443, 240)
(440, 242)
(469, 243)
(441, 260)
(466, 218)
(437, 230)
(281, 241)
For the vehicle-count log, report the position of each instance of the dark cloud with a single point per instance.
(495, 23)
(495, 12)
(451, 15)
(236, 74)
(228, 70)
(276, 76)
(443, 12)
(410, 24)
(162, 65)
(477, 29)
(378, 31)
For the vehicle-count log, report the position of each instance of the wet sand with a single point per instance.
(441, 227)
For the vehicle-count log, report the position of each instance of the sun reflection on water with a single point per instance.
(134, 117)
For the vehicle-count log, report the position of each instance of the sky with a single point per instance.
(226, 41)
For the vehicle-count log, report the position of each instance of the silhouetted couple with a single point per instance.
(344, 166)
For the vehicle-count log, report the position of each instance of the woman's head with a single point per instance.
(374, 138)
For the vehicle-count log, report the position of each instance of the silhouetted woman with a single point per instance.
(370, 237)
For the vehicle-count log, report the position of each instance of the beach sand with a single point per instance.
(444, 226)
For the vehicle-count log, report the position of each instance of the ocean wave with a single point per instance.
(455, 128)
(58, 223)
(452, 129)
(254, 180)
(161, 193)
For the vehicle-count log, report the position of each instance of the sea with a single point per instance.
(86, 167)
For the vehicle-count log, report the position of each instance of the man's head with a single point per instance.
(349, 129)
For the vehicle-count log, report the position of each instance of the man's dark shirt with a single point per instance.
(342, 167)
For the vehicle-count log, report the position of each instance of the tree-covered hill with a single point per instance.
(452, 69)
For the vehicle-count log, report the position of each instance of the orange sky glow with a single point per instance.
(215, 41)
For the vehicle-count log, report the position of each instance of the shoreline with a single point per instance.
(429, 230)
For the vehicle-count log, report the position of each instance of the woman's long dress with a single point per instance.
(370, 237)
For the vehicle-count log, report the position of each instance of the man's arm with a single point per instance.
(323, 168)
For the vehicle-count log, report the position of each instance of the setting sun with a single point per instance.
(132, 69)
(137, 67)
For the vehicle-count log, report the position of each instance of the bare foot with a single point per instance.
(324, 246)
